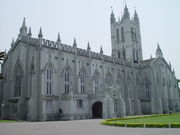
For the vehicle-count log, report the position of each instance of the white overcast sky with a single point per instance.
(88, 20)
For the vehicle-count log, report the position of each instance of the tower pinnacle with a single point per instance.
(136, 18)
(40, 35)
(88, 47)
(23, 29)
(29, 33)
(159, 53)
(58, 38)
(126, 13)
(24, 22)
(101, 50)
(74, 43)
(113, 19)
(12, 42)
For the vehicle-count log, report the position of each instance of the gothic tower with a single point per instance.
(126, 37)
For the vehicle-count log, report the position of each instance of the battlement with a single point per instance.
(79, 51)
(49, 43)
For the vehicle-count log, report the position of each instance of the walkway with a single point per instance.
(80, 127)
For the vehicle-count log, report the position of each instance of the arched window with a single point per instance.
(122, 34)
(157, 77)
(96, 79)
(133, 34)
(147, 87)
(109, 79)
(134, 57)
(18, 80)
(124, 52)
(115, 106)
(32, 76)
(67, 81)
(49, 80)
(82, 81)
(117, 35)
(119, 54)
(137, 56)
(96, 83)
(163, 80)
(119, 79)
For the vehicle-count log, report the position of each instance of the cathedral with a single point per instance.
(49, 80)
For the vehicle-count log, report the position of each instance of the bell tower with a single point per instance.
(126, 37)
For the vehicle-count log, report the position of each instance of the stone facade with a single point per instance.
(47, 80)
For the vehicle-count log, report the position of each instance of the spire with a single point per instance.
(40, 35)
(74, 43)
(170, 65)
(126, 12)
(113, 19)
(29, 33)
(12, 44)
(101, 50)
(88, 47)
(136, 18)
(24, 22)
(159, 52)
(23, 29)
(58, 38)
(135, 14)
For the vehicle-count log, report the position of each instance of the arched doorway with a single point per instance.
(97, 110)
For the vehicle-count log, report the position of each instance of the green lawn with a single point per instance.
(160, 119)
(1, 121)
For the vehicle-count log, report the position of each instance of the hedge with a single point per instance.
(113, 122)
(142, 125)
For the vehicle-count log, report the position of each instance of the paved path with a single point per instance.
(80, 127)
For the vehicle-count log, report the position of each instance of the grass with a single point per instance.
(160, 119)
(7, 121)
(151, 121)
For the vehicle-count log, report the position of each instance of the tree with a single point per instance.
(2, 56)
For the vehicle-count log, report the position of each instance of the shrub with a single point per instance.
(117, 124)
(175, 125)
(157, 125)
(135, 125)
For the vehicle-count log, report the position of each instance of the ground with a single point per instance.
(79, 127)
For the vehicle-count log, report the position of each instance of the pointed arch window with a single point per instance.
(115, 106)
(147, 87)
(122, 35)
(82, 81)
(119, 54)
(133, 34)
(117, 35)
(32, 72)
(96, 83)
(163, 80)
(124, 52)
(119, 79)
(18, 81)
(109, 79)
(67, 81)
(49, 80)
